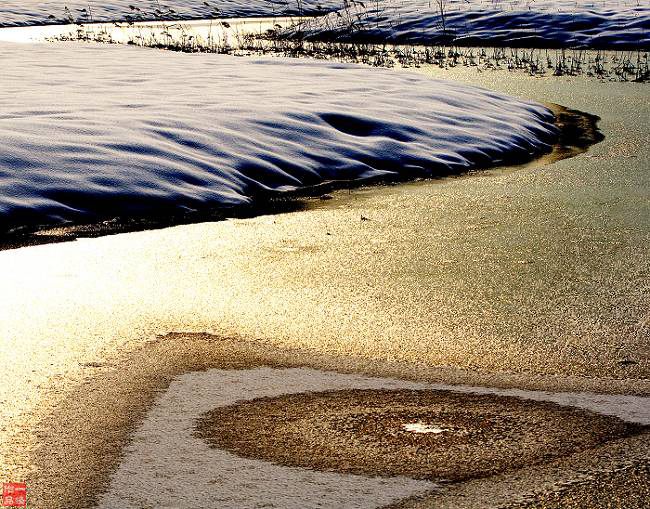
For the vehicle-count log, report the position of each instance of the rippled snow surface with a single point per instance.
(604, 24)
(34, 12)
(612, 24)
(92, 132)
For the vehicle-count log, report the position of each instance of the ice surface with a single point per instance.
(30, 12)
(165, 450)
(612, 24)
(90, 132)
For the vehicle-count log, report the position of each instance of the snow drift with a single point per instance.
(607, 24)
(601, 24)
(91, 132)
(36, 12)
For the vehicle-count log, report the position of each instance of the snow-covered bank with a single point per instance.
(37, 12)
(608, 24)
(601, 24)
(94, 132)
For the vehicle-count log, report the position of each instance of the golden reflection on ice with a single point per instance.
(541, 272)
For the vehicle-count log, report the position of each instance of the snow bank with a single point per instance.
(36, 12)
(613, 24)
(92, 132)
(602, 24)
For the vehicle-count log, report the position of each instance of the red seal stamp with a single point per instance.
(14, 494)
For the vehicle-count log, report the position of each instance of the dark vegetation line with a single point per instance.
(613, 65)
(362, 43)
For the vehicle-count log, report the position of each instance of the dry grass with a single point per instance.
(632, 66)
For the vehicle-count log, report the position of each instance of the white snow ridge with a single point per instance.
(36, 12)
(602, 24)
(94, 132)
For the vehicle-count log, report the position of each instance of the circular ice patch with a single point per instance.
(423, 434)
